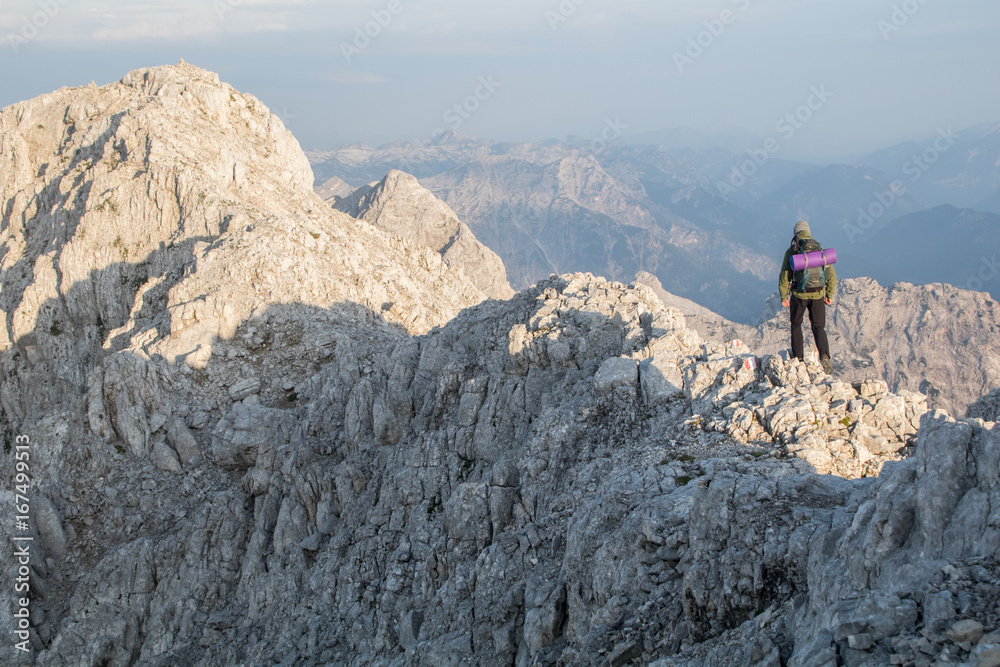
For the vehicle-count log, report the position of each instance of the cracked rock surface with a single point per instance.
(399, 205)
(935, 339)
(252, 462)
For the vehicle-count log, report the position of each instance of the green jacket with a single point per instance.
(785, 277)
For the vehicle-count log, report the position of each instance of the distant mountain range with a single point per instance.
(959, 246)
(958, 168)
(991, 203)
(709, 222)
(735, 139)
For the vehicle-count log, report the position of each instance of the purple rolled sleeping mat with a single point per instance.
(813, 259)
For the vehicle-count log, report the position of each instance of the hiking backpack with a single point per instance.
(812, 279)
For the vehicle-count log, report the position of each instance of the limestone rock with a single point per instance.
(247, 461)
(968, 630)
(238, 442)
(399, 205)
(164, 456)
(660, 379)
(892, 333)
(180, 438)
(986, 408)
(614, 373)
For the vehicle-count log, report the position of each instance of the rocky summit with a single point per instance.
(400, 205)
(936, 339)
(262, 432)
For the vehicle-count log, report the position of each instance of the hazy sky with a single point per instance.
(532, 69)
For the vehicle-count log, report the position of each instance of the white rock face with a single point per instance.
(295, 473)
(399, 205)
(172, 188)
(332, 188)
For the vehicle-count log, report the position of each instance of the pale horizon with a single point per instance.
(398, 70)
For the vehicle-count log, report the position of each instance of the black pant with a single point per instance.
(817, 319)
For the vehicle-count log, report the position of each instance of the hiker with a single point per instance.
(811, 290)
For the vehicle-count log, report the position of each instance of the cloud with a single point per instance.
(83, 22)
(119, 20)
(105, 21)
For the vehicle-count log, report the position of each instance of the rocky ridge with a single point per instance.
(935, 339)
(570, 476)
(399, 205)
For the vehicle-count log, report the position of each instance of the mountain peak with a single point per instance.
(162, 188)
(400, 205)
(450, 136)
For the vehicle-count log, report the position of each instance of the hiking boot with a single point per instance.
(827, 366)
